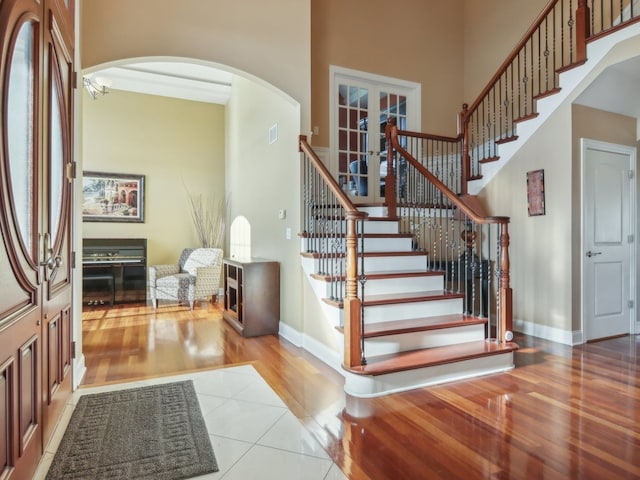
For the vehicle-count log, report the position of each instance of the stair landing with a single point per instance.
(422, 368)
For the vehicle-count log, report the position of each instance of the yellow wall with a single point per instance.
(174, 143)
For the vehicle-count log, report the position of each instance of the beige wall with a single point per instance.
(174, 143)
(414, 40)
(268, 40)
(492, 28)
(540, 248)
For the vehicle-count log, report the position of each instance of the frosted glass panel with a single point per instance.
(57, 162)
(20, 131)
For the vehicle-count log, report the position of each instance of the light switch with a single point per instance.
(282, 214)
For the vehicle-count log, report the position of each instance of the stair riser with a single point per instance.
(400, 285)
(363, 386)
(417, 340)
(409, 263)
(390, 244)
(406, 311)
(370, 226)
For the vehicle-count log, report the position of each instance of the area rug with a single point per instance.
(154, 432)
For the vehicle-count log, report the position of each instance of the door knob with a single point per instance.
(593, 254)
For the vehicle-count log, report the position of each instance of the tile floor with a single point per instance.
(253, 433)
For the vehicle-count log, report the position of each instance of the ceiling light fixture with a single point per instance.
(96, 86)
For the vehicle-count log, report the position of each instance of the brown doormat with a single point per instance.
(154, 432)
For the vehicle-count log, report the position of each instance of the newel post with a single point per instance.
(583, 30)
(352, 303)
(391, 132)
(463, 132)
(506, 301)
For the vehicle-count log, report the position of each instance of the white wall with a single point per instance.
(264, 178)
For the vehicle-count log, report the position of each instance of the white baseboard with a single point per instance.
(79, 371)
(313, 346)
(553, 334)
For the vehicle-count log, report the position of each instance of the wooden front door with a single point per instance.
(36, 80)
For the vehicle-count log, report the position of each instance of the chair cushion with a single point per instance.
(200, 257)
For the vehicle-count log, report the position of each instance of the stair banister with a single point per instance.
(505, 320)
(353, 329)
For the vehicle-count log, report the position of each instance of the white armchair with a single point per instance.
(195, 277)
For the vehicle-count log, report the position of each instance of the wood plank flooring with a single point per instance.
(561, 413)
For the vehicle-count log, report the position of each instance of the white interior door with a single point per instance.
(361, 104)
(608, 198)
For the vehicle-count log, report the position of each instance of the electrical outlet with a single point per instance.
(287, 233)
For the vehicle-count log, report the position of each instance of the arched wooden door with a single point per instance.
(36, 84)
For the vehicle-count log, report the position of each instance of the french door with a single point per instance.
(36, 40)
(361, 105)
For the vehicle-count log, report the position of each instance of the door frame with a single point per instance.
(586, 144)
(336, 73)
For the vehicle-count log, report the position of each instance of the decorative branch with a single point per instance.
(209, 216)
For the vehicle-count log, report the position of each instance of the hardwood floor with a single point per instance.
(561, 413)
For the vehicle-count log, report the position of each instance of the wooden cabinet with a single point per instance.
(252, 296)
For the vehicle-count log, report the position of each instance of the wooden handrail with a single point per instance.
(453, 197)
(345, 201)
(512, 56)
(352, 304)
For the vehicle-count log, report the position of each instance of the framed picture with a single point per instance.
(112, 197)
(535, 192)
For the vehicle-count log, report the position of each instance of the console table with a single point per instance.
(252, 296)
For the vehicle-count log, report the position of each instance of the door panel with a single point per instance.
(56, 215)
(35, 203)
(361, 109)
(607, 198)
(28, 398)
(6, 405)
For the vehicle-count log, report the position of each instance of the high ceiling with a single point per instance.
(615, 90)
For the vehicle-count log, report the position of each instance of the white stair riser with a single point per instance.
(374, 211)
(427, 339)
(402, 263)
(384, 244)
(403, 284)
(371, 226)
(362, 386)
(406, 311)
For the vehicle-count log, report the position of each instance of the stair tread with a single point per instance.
(396, 327)
(396, 362)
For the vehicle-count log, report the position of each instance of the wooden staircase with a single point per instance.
(415, 332)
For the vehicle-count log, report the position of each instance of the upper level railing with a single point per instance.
(556, 41)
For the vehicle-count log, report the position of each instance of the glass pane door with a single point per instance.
(360, 117)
